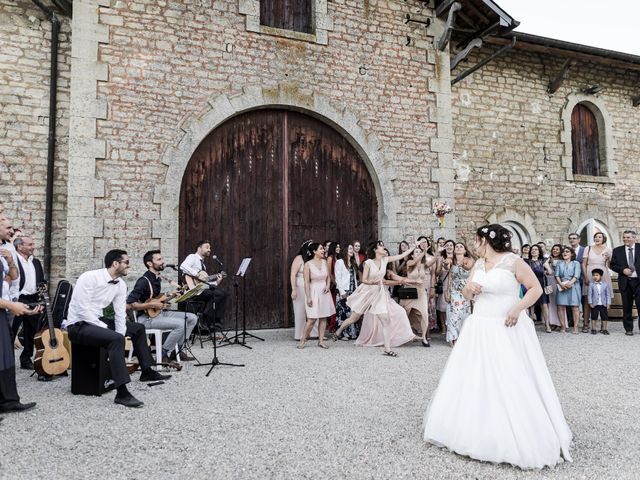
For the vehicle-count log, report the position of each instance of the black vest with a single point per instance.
(39, 273)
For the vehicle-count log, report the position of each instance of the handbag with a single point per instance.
(548, 289)
(407, 293)
(440, 284)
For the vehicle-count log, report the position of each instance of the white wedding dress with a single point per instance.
(496, 401)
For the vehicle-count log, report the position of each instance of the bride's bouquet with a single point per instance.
(440, 210)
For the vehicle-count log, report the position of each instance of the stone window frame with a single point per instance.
(322, 22)
(592, 226)
(608, 166)
(522, 224)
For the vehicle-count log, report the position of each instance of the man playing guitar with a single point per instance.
(215, 298)
(146, 298)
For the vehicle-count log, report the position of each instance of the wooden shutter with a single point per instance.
(296, 15)
(585, 141)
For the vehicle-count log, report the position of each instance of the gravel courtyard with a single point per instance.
(346, 412)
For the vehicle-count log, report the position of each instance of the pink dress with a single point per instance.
(299, 311)
(322, 305)
(371, 298)
(397, 324)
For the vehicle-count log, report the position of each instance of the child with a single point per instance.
(599, 300)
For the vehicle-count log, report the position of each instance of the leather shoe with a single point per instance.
(45, 378)
(151, 376)
(128, 401)
(27, 365)
(629, 334)
(185, 357)
(17, 406)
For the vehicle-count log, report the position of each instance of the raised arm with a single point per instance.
(395, 258)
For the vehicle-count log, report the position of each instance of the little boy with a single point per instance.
(599, 298)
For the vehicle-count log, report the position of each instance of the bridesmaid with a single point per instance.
(567, 277)
(372, 295)
(443, 265)
(346, 283)
(458, 307)
(550, 270)
(597, 255)
(332, 255)
(319, 305)
(419, 273)
(297, 292)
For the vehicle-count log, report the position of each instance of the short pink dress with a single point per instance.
(371, 298)
(322, 304)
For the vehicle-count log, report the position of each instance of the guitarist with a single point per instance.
(146, 295)
(31, 275)
(215, 298)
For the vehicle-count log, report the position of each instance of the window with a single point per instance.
(295, 15)
(585, 141)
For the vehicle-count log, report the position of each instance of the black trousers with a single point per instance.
(630, 295)
(216, 301)
(30, 325)
(88, 334)
(8, 390)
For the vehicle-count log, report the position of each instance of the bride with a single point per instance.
(496, 401)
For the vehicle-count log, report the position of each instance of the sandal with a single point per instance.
(334, 337)
(322, 345)
(390, 353)
(301, 345)
(548, 330)
(605, 332)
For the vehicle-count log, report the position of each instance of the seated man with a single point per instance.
(145, 295)
(215, 298)
(95, 290)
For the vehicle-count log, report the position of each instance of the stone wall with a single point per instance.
(511, 153)
(172, 66)
(25, 37)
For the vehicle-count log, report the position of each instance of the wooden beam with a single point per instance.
(481, 64)
(448, 29)
(559, 52)
(443, 7)
(475, 10)
(475, 43)
(555, 83)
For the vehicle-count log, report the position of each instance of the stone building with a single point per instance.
(257, 126)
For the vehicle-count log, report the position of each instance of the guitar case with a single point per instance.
(61, 301)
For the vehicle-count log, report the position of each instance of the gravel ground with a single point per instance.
(346, 412)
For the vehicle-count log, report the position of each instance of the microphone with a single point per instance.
(215, 257)
(171, 265)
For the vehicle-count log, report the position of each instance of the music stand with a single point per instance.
(183, 298)
(242, 273)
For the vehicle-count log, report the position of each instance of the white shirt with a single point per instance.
(192, 265)
(343, 277)
(633, 253)
(13, 289)
(5, 285)
(92, 294)
(29, 287)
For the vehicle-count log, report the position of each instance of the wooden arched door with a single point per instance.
(262, 183)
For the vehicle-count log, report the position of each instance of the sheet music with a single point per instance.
(242, 269)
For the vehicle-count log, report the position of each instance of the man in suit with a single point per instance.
(625, 261)
(31, 276)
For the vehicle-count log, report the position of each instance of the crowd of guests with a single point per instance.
(376, 298)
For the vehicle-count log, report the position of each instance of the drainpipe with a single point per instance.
(51, 144)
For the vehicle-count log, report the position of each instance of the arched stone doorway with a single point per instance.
(260, 184)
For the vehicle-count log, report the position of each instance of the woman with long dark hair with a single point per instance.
(346, 283)
(536, 262)
(443, 267)
(555, 256)
(496, 401)
(418, 271)
(296, 278)
(372, 296)
(319, 305)
(458, 307)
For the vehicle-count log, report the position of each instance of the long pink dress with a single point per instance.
(375, 302)
(299, 311)
(322, 304)
(597, 260)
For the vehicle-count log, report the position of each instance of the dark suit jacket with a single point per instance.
(39, 273)
(619, 263)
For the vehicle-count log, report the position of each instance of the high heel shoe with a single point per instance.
(334, 337)
(426, 344)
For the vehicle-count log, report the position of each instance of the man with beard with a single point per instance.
(145, 296)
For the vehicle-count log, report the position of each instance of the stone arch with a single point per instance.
(522, 224)
(601, 216)
(195, 128)
(605, 130)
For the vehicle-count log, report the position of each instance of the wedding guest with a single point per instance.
(361, 257)
(550, 270)
(524, 250)
(625, 261)
(429, 249)
(597, 256)
(599, 300)
(458, 307)
(443, 267)
(574, 242)
(332, 256)
(319, 305)
(536, 262)
(440, 244)
(543, 249)
(418, 271)
(400, 266)
(296, 278)
(569, 294)
(346, 282)
(372, 296)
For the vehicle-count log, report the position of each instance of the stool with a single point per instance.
(90, 372)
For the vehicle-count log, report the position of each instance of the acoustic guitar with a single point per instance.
(164, 297)
(51, 356)
(202, 277)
